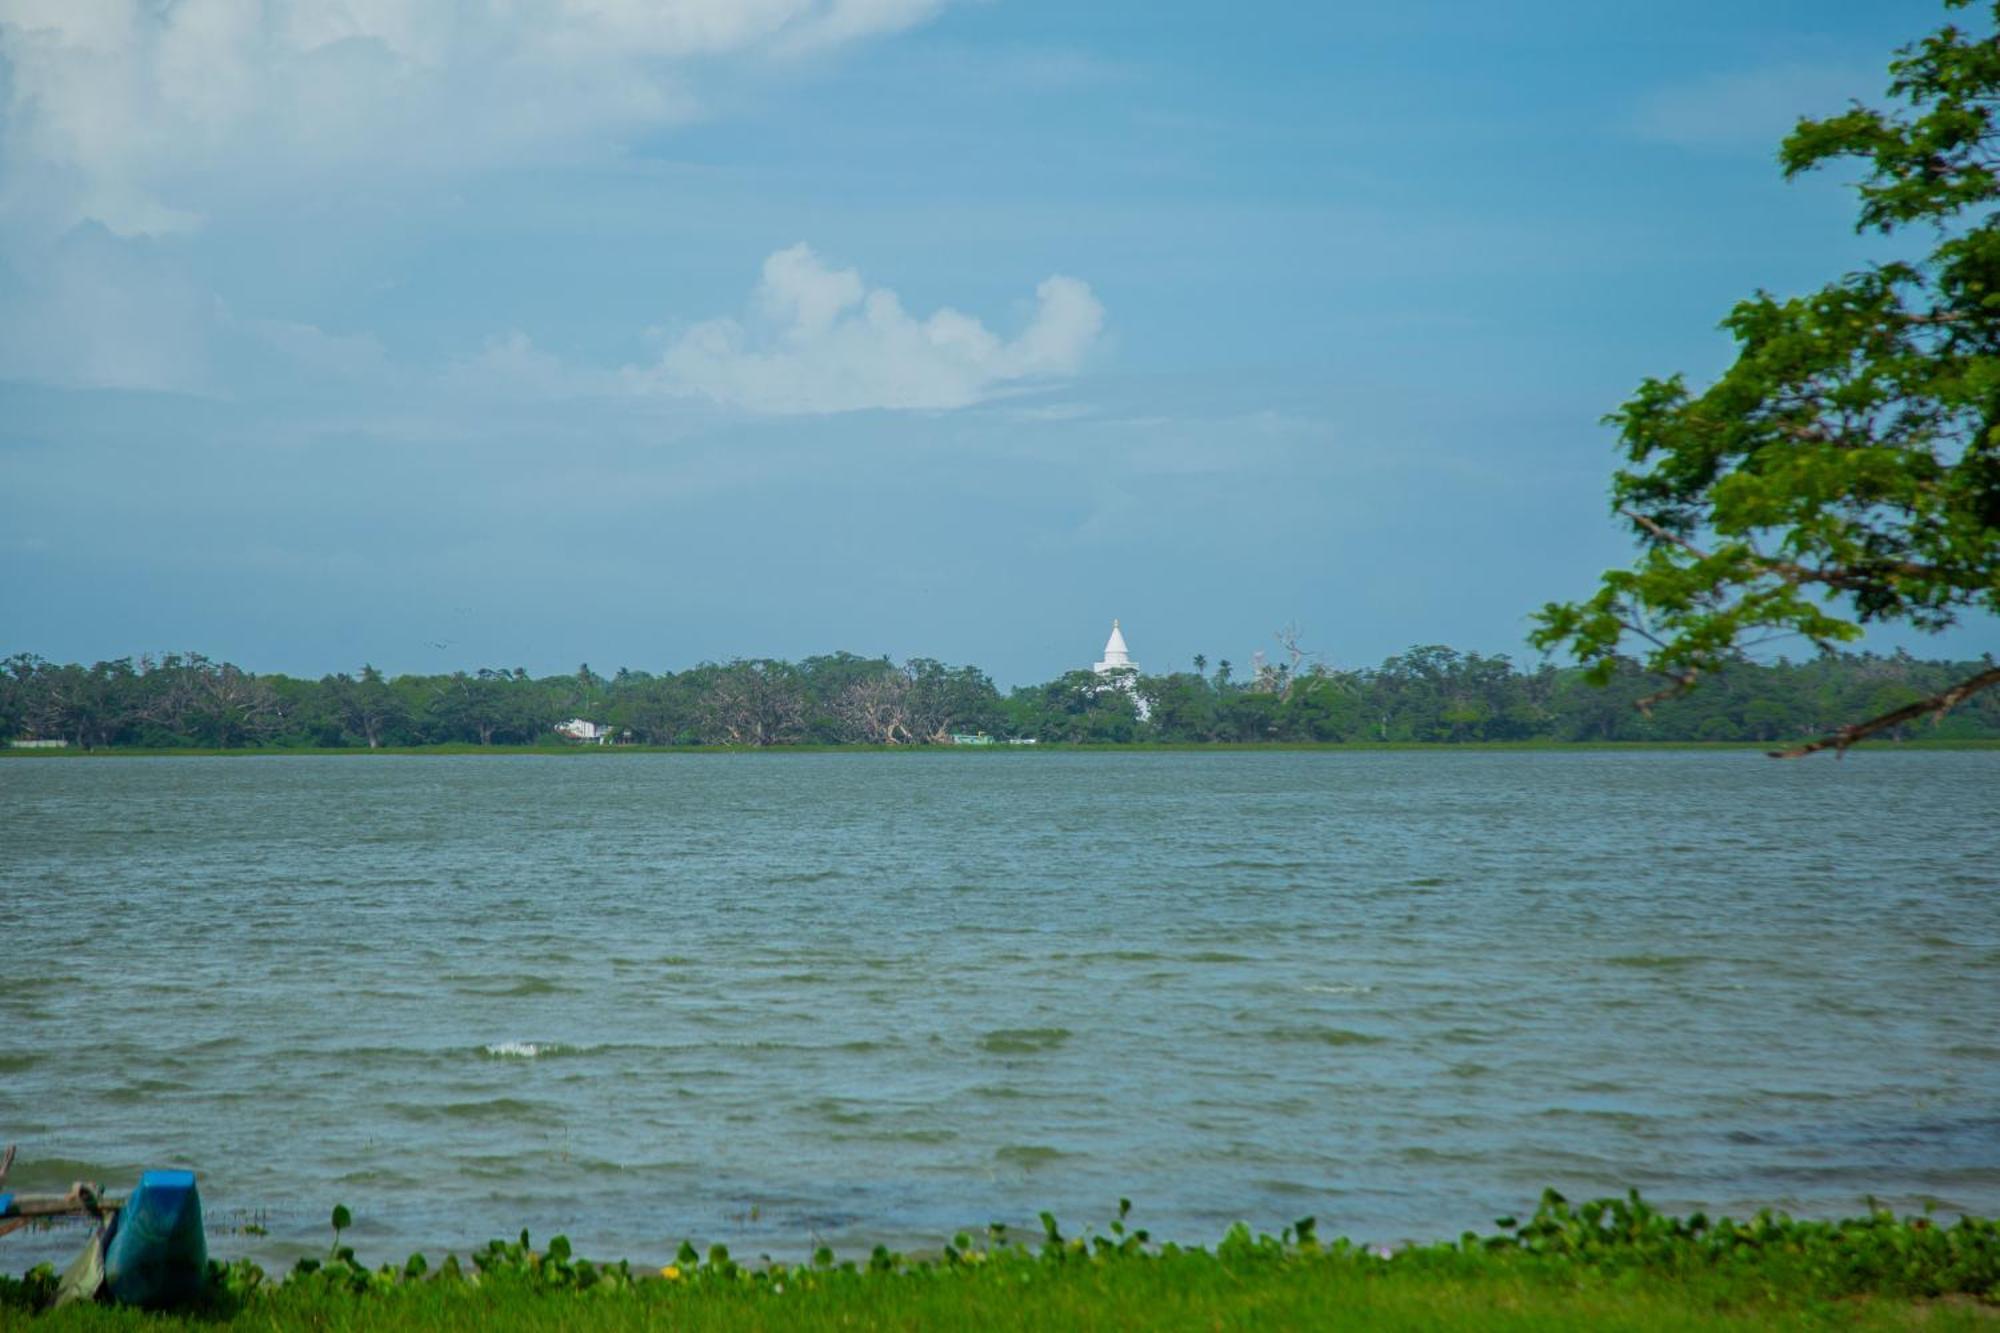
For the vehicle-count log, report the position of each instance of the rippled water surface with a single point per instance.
(779, 999)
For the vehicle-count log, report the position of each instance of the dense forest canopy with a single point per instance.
(1432, 694)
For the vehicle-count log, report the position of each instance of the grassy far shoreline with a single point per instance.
(1057, 747)
(1608, 1264)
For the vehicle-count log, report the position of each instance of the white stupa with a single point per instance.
(1122, 670)
(1117, 657)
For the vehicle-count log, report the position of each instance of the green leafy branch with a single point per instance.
(1846, 468)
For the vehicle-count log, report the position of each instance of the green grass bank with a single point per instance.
(1612, 1264)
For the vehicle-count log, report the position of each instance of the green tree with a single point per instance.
(1076, 706)
(945, 699)
(1325, 706)
(91, 708)
(656, 709)
(365, 709)
(1846, 468)
(18, 686)
(472, 707)
(1181, 705)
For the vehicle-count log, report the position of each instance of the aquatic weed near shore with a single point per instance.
(1606, 1263)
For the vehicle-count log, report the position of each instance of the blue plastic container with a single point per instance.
(158, 1254)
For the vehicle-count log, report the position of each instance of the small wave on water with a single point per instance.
(840, 1112)
(54, 1175)
(214, 1044)
(522, 988)
(491, 1109)
(1422, 1154)
(1655, 962)
(1256, 863)
(526, 1050)
(508, 1166)
(1339, 988)
(1029, 1155)
(382, 1178)
(809, 876)
(145, 1089)
(375, 1056)
(1324, 1036)
(1023, 1041)
(1629, 1121)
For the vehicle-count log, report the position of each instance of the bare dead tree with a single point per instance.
(173, 691)
(1296, 655)
(754, 703)
(234, 706)
(931, 711)
(876, 709)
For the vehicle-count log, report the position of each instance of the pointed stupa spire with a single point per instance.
(1117, 657)
(1115, 651)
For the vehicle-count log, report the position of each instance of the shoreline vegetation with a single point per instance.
(1428, 696)
(1606, 1264)
(561, 750)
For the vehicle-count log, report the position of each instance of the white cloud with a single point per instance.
(1750, 108)
(141, 115)
(820, 340)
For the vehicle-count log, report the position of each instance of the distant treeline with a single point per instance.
(1426, 694)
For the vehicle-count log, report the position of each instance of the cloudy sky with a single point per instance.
(641, 332)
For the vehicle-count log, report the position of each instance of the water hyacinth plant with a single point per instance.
(1572, 1263)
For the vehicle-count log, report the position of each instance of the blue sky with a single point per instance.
(446, 335)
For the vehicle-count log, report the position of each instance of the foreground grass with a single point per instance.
(1615, 1264)
(1188, 1291)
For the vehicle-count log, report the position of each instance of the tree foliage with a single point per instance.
(1845, 470)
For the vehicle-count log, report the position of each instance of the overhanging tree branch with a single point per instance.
(1934, 707)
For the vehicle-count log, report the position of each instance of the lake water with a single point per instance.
(779, 1000)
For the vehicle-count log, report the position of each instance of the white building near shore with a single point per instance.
(1118, 669)
(583, 729)
(1117, 657)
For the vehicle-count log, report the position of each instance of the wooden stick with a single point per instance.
(22, 1209)
(80, 1200)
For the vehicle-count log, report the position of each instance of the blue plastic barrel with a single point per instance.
(158, 1255)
